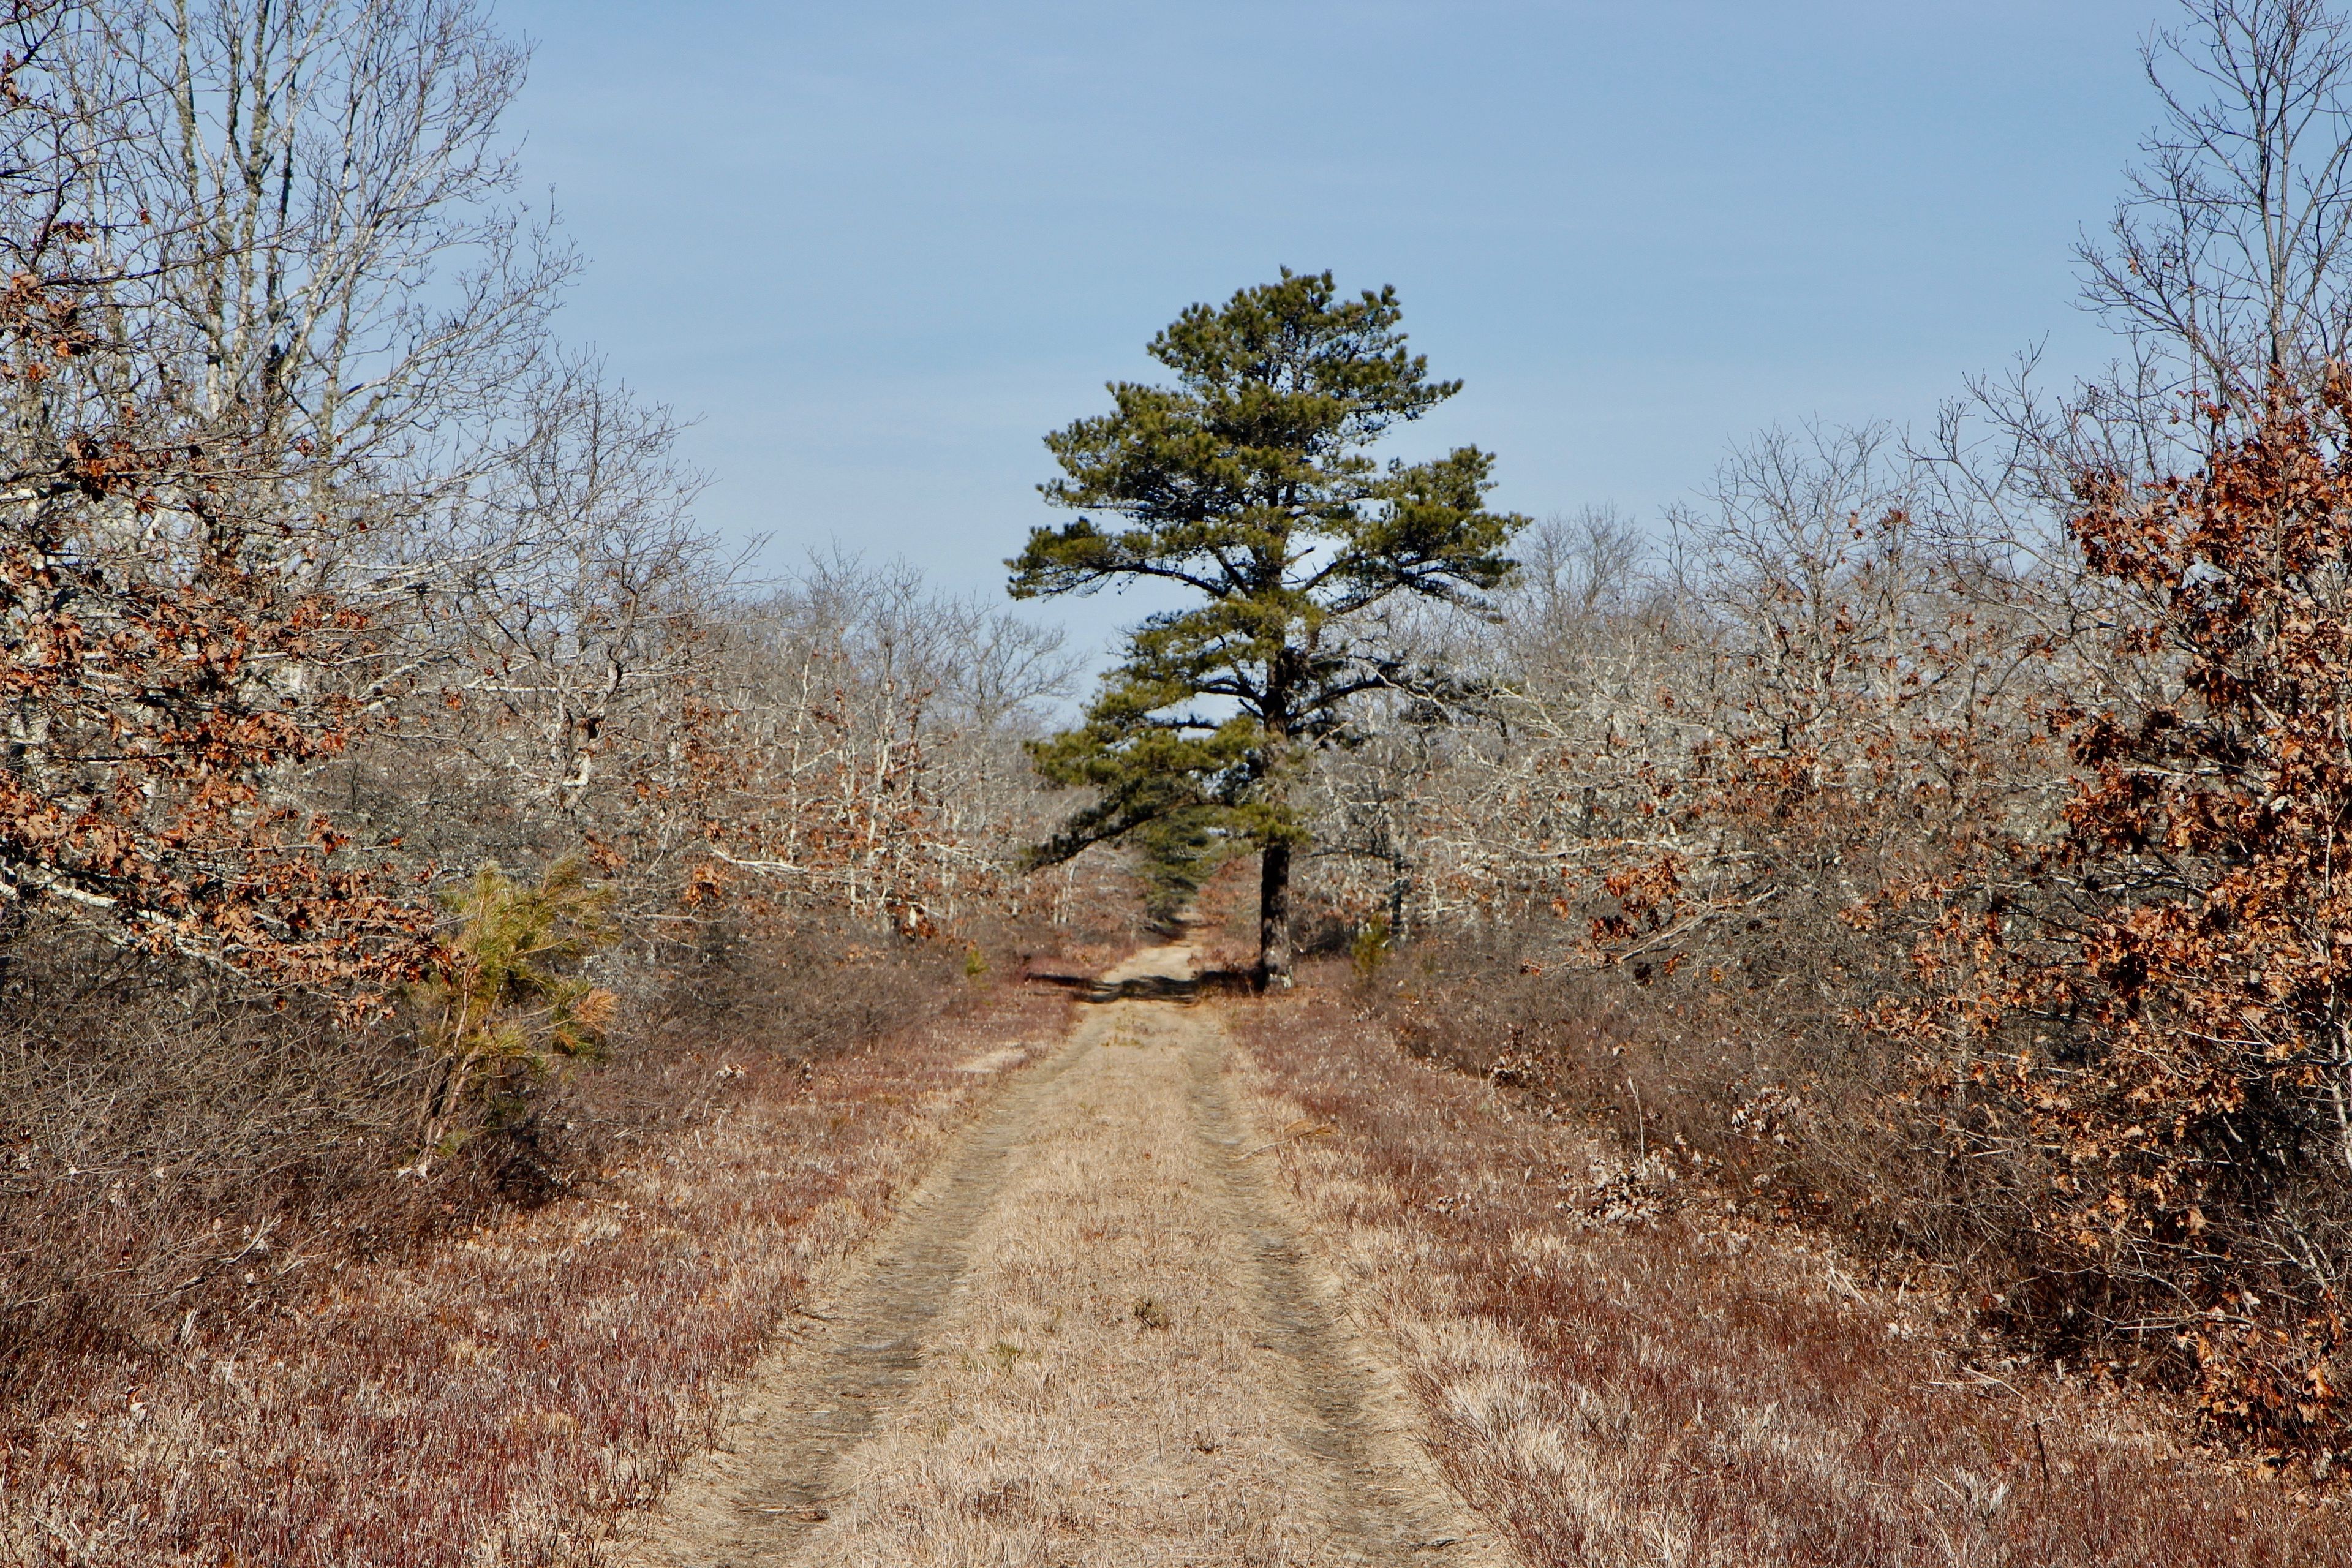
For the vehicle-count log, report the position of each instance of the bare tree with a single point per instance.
(2224, 266)
(581, 595)
(2226, 261)
(305, 217)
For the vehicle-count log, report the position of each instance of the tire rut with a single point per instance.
(1388, 1524)
(873, 1354)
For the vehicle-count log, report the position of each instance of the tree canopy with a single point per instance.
(1250, 482)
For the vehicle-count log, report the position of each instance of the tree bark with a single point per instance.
(1273, 917)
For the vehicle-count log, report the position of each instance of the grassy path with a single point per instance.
(1092, 1336)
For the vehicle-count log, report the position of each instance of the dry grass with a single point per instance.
(168, 1147)
(165, 1149)
(1116, 1377)
(1621, 1370)
(1056, 1418)
(501, 1394)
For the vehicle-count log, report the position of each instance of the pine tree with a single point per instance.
(1250, 483)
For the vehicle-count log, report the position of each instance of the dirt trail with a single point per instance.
(1094, 1336)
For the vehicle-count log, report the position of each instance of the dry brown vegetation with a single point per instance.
(513, 1386)
(1623, 1363)
(1991, 914)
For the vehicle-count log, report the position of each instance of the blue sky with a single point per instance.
(879, 250)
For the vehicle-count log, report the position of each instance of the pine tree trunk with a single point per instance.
(1273, 917)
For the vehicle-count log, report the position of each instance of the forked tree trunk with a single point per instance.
(1273, 916)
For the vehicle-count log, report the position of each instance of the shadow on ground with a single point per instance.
(1152, 987)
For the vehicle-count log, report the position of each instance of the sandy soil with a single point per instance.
(1094, 1336)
